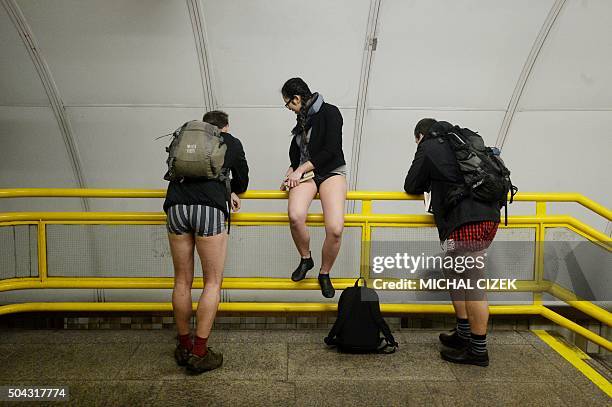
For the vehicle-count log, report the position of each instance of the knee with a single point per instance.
(213, 286)
(297, 217)
(334, 232)
(183, 283)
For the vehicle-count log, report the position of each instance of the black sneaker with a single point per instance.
(465, 357)
(210, 361)
(181, 355)
(453, 340)
(302, 269)
(327, 289)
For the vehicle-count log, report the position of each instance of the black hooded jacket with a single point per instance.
(435, 169)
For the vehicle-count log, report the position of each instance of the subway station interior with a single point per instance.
(92, 92)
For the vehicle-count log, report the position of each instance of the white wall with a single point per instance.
(128, 72)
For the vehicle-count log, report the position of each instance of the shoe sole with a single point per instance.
(303, 277)
(459, 362)
(195, 370)
(200, 371)
(331, 296)
(299, 279)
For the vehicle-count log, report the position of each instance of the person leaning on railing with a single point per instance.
(197, 211)
(467, 229)
(316, 148)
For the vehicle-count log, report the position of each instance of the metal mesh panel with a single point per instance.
(52, 295)
(143, 251)
(388, 297)
(268, 251)
(18, 251)
(108, 251)
(443, 297)
(577, 264)
(511, 255)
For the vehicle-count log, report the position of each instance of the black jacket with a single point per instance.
(210, 192)
(435, 169)
(325, 145)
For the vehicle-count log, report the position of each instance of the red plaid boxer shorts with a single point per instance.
(472, 237)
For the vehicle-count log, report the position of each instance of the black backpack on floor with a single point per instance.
(486, 177)
(359, 323)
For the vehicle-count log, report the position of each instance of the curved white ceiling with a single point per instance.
(128, 72)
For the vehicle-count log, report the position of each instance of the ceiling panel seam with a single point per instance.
(532, 58)
(439, 108)
(51, 89)
(135, 105)
(370, 45)
(198, 26)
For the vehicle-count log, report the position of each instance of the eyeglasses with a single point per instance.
(288, 102)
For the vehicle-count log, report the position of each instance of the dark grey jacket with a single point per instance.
(435, 169)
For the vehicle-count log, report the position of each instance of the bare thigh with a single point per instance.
(181, 248)
(333, 198)
(212, 251)
(300, 198)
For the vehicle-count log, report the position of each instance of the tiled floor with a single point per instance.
(288, 368)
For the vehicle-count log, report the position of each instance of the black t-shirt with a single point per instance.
(211, 192)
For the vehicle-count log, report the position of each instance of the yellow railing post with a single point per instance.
(42, 251)
(366, 235)
(539, 252)
(366, 219)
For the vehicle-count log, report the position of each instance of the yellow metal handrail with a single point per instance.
(365, 219)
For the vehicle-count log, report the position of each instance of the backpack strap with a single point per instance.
(382, 325)
(391, 345)
(330, 339)
(224, 177)
(513, 190)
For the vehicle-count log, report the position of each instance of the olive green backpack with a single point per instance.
(197, 150)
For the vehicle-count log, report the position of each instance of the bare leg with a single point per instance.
(460, 309)
(212, 250)
(476, 303)
(181, 248)
(300, 198)
(458, 295)
(333, 198)
(478, 315)
(474, 306)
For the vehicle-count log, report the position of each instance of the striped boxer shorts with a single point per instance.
(200, 220)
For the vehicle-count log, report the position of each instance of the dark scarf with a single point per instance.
(313, 105)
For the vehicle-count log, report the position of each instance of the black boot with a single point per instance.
(327, 289)
(302, 269)
(465, 357)
(453, 340)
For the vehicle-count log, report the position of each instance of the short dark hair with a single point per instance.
(216, 118)
(423, 126)
(294, 87)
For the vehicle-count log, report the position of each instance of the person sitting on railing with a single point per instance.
(467, 230)
(317, 165)
(197, 211)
